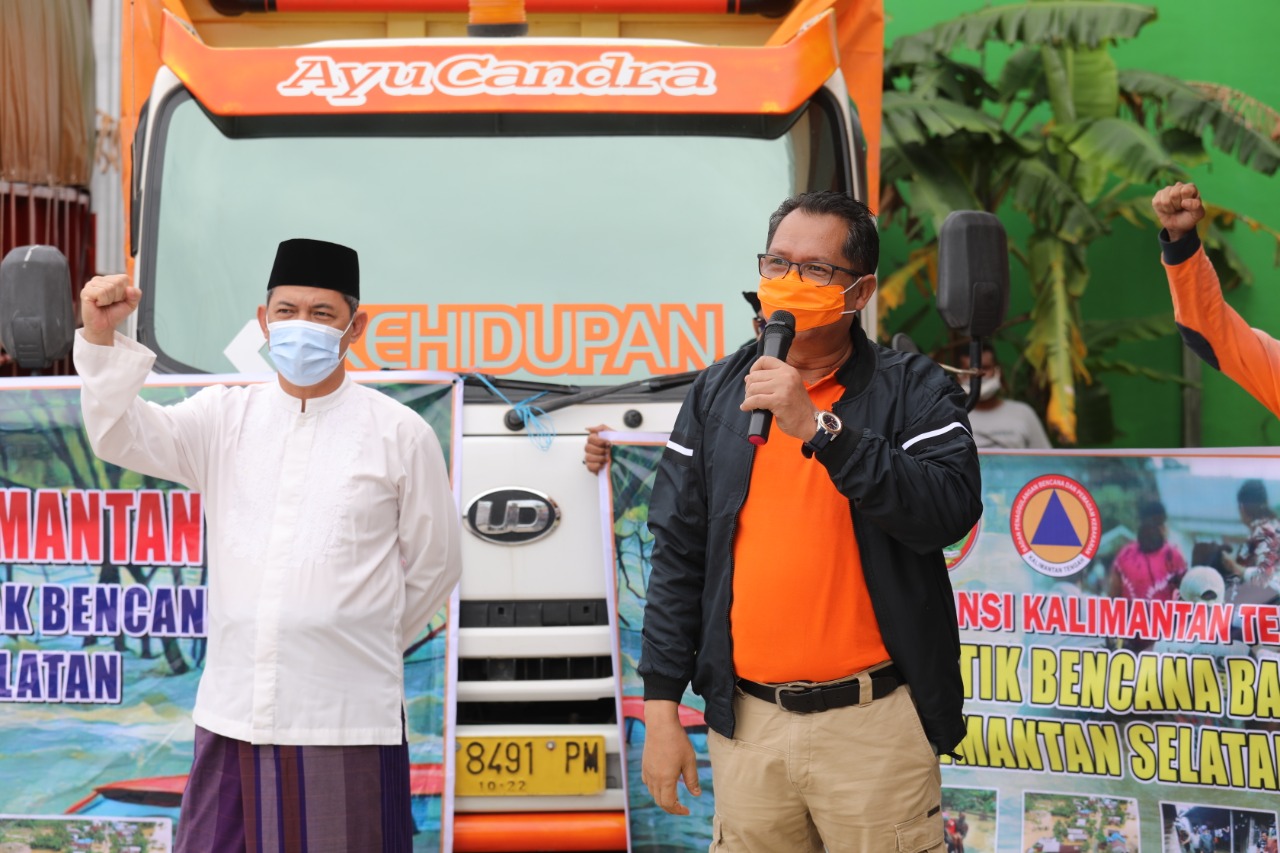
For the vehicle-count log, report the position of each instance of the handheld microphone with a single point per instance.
(775, 342)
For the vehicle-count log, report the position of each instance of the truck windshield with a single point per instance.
(592, 252)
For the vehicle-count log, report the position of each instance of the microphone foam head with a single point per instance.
(783, 318)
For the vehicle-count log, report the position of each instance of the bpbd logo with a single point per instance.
(1055, 525)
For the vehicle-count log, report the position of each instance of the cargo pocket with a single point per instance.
(922, 833)
(717, 835)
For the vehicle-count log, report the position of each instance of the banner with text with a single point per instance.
(1120, 646)
(103, 614)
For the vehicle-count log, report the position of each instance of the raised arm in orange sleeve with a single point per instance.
(1212, 329)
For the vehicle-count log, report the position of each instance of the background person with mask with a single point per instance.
(996, 421)
(333, 540)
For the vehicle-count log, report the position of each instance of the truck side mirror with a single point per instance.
(37, 322)
(973, 280)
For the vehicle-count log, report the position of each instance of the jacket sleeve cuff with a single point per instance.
(838, 452)
(660, 687)
(1174, 252)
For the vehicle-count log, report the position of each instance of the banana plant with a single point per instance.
(1057, 135)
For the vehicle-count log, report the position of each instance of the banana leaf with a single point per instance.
(1054, 348)
(1022, 71)
(911, 119)
(1124, 149)
(1057, 63)
(936, 187)
(1051, 203)
(1106, 365)
(1186, 148)
(959, 82)
(1104, 334)
(1095, 85)
(921, 267)
(1184, 106)
(1076, 23)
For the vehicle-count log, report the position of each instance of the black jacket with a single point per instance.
(907, 463)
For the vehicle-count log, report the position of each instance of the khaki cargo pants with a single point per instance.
(859, 779)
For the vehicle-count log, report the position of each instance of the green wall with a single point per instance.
(1230, 43)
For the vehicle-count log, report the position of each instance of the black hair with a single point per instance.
(1253, 499)
(1152, 511)
(1252, 492)
(861, 243)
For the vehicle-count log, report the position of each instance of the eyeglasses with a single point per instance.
(772, 266)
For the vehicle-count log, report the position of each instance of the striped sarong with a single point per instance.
(242, 798)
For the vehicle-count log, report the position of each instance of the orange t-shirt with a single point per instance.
(800, 608)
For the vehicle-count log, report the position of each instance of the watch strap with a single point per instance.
(819, 441)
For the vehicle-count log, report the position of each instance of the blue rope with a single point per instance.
(541, 432)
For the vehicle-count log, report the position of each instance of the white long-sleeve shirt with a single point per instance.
(333, 538)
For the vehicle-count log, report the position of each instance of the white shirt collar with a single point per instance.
(314, 404)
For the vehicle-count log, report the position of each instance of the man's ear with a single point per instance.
(358, 324)
(860, 294)
(262, 319)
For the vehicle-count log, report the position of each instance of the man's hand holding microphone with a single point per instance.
(774, 388)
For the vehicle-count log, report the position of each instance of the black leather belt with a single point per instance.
(802, 699)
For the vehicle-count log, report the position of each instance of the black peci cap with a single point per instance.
(316, 263)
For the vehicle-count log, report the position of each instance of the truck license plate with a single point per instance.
(529, 766)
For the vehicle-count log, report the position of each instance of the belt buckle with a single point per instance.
(795, 688)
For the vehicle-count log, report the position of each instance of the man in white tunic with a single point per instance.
(333, 540)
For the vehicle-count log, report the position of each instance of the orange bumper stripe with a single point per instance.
(525, 831)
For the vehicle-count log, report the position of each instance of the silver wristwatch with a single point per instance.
(829, 426)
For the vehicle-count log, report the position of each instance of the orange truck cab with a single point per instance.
(569, 215)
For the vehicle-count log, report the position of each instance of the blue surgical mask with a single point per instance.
(305, 353)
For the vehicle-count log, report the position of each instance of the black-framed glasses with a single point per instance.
(773, 266)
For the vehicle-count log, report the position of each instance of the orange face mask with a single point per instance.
(811, 305)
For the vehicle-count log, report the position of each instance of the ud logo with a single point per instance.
(511, 516)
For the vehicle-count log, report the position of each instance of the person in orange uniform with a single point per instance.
(1210, 327)
(800, 585)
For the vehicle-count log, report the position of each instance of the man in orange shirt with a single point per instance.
(1209, 326)
(800, 585)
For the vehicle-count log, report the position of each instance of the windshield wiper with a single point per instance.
(514, 420)
(488, 382)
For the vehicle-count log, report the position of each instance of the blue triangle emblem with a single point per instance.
(1055, 527)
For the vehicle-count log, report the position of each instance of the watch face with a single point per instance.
(829, 423)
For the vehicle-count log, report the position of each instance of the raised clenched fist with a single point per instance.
(105, 302)
(1178, 208)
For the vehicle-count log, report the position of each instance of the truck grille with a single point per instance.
(528, 614)
(597, 712)
(535, 614)
(533, 669)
